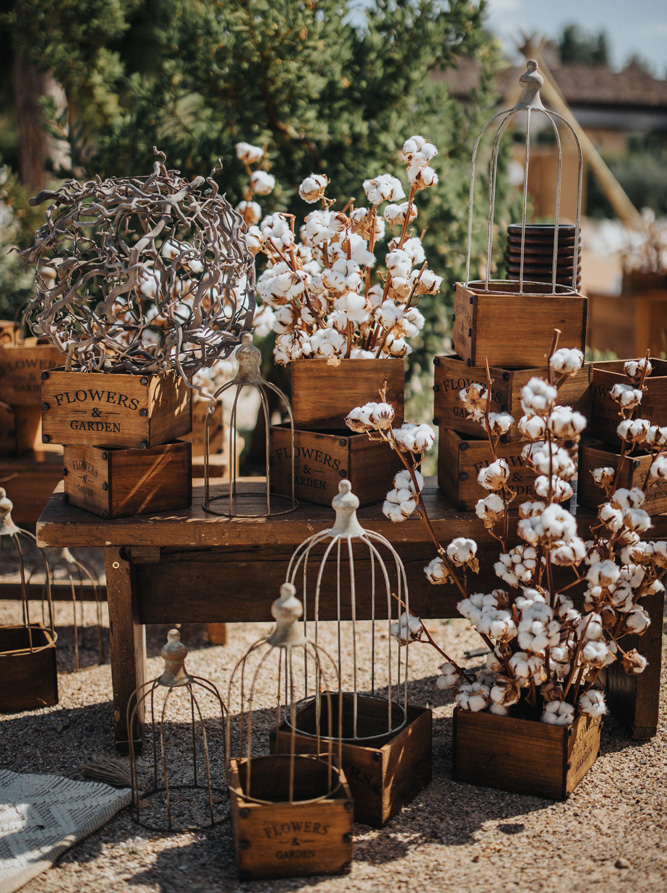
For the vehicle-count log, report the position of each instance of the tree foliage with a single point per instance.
(576, 45)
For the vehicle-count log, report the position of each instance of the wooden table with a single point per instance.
(188, 566)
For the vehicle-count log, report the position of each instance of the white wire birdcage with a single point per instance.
(529, 105)
(192, 777)
(372, 664)
(247, 500)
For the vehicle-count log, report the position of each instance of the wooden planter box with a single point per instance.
(323, 395)
(121, 483)
(216, 430)
(387, 771)
(523, 756)
(451, 375)
(29, 678)
(20, 429)
(605, 418)
(110, 410)
(277, 839)
(21, 368)
(459, 463)
(635, 470)
(322, 459)
(515, 330)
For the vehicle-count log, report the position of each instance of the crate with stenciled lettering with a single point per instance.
(452, 374)
(21, 366)
(114, 409)
(597, 454)
(605, 416)
(461, 459)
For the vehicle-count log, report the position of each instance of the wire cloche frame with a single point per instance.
(197, 806)
(528, 105)
(369, 657)
(141, 274)
(247, 500)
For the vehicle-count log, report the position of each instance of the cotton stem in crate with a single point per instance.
(545, 655)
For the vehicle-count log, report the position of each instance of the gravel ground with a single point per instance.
(609, 835)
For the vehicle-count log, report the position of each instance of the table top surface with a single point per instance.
(62, 524)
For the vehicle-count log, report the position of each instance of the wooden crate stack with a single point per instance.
(601, 448)
(121, 452)
(514, 334)
(325, 450)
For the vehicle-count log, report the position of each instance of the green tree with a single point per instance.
(578, 46)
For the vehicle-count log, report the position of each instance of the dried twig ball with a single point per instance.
(141, 274)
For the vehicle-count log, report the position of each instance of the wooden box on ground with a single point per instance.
(515, 330)
(460, 461)
(385, 772)
(115, 410)
(20, 429)
(197, 437)
(323, 395)
(21, 368)
(276, 838)
(120, 483)
(29, 677)
(523, 756)
(633, 321)
(451, 375)
(322, 459)
(605, 418)
(633, 474)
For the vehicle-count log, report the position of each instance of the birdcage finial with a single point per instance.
(531, 82)
(173, 654)
(249, 359)
(286, 610)
(7, 526)
(345, 504)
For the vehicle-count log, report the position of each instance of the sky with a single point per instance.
(636, 27)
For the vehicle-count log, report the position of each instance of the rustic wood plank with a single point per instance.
(29, 480)
(29, 678)
(322, 394)
(21, 367)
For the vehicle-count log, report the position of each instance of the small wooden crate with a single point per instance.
(120, 483)
(451, 375)
(386, 772)
(29, 480)
(21, 368)
(634, 472)
(216, 430)
(29, 678)
(460, 461)
(323, 395)
(275, 839)
(115, 410)
(523, 756)
(515, 330)
(20, 429)
(322, 459)
(605, 417)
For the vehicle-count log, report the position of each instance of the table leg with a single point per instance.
(128, 643)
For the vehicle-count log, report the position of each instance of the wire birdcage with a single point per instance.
(288, 787)
(528, 105)
(370, 659)
(28, 648)
(247, 500)
(199, 803)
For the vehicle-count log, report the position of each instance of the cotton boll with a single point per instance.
(421, 177)
(634, 368)
(565, 423)
(398, 263)
(532, 427)
(506, 691)
(494, 476)
(658, 470)
(436, 572)
(262, 183)
(538, 397)
(633, 430)
(248, 153)
(425, 281)
(560, 490)
(500, 422)
(566, 361)
(604, 477)
(637, 621)
(415, 250)
(462, 551)
(383, 188)
(313, 187)
(473, 696)
(569, 554)
(592, 703)
(490, 509)
(412, 438)
(634, 663)
(354, 305)
(603, 573)
(656, 437)
(637, 520)
(408, 628)
(594, 654)
(625, 395)
(558, 713)
(474, 399)
(590, 628)
(448, 678)
(395, 214)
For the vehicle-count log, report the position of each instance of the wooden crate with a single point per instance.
(117, 483)
(29, 678)
(8, 331)
(323, 395)
(29, 480)
(216, 431)
(20, 429)
(452, 374)
(605, 418)
(461, 459)
(634, 472)
(515, 330)
(21, 368)
(385, 772)
(277, 839)
(322, 459)
(523, 756)
(115, 410)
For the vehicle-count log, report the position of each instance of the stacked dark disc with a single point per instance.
(537, 242)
